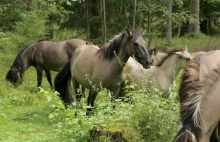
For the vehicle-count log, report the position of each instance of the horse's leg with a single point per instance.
(39, 76)
(76, 90)
(91, 99)
(49, 79)
(83, 92)
(116, 93)
(122, 90)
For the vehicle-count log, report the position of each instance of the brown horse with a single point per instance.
(95, 68)
(43, 55)
(199, 99)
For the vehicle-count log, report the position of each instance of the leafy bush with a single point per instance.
(31, 28)
(150, 115)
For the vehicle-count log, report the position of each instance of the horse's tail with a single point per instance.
(185, 135)
(61, 84)
(190, 100)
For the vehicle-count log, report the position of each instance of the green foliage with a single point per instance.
(195, 42)
(10, 13)
(152, 115)
(31, 28)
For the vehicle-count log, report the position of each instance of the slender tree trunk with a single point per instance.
(95, 24)
(134, 14)
(87, 19)
(29, 5)
(169, 22)
(179, 29)
(149, 25)
(104, 21)
(208, 26)
(102, 17)
(51, 29)
(194, 12)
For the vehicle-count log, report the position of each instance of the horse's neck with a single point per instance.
(123, 54)
(121, 58)
(27, 57)
(167, 72)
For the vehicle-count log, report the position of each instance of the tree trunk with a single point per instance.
(51, 32)
(149, 25)
(179, 29)
(87, 19)
(104, 21)
(134, 14)
(169, 22)
(194, 12)
(95, 24)
(29, 5)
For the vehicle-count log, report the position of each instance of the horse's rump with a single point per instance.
(196, 91)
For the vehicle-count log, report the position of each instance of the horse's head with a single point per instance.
(137, 48)
(184, 56)
(15, 76)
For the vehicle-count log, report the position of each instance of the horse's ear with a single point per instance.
(186, 48)
(143, 32)
(129, 33)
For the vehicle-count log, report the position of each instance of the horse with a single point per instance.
(94, 67)
(43, 55)
(162, 75)
(157, 54)
(195, 54)
(199, 99)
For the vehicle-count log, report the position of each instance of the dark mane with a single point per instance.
(18, 62)
(189, 94)
(108, 52)
(169, 53)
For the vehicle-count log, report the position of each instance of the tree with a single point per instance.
(169, 22)
(29, 4)
(134, 14)
(103, 13)
(194, 12)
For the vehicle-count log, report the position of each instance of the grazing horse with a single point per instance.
(94, 67)
(162, 74)
(199, 99)
(43, 55)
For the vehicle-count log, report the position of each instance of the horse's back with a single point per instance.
(54, 55)
(195, 54)
(208, 61)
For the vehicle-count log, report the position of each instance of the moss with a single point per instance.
(115, 134)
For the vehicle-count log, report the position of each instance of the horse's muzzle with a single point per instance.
(147, 66)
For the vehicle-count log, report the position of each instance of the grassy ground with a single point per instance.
(23, 111)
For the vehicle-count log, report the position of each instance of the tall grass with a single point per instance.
(196, 43)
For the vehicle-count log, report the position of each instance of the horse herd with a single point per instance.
(127, 59)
